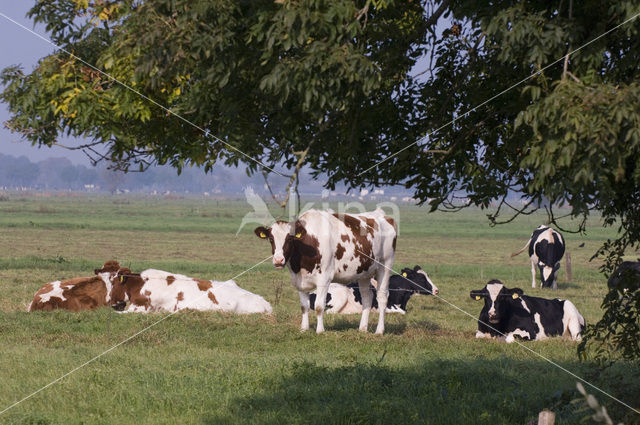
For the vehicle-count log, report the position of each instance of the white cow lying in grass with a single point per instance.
(157, 290)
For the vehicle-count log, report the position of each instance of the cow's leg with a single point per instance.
(321, 301)
(533, 273)
(304, 306)
(480, 334)
(367, 301)
(382, 296)
(556, 269)
(134, 309)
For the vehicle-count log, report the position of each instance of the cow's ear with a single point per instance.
(262, 232)
(476, 295)
(516, 292)
(123, 274)
(417, 268)
(299, 230)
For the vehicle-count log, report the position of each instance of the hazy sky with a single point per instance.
(19, 47)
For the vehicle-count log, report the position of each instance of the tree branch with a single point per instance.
(433, 19)
(566, 58)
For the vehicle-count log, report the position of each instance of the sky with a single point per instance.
(20, 47)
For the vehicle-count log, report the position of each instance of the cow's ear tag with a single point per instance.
(121, 278)
(404, 274)
(263, 235)
(298, 235)
(515, 295)
(478, 297)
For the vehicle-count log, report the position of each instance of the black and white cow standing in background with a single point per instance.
(509, 313)
(546, 248)
(347, 299)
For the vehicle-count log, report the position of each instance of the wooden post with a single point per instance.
(568, 263)
(546, 417)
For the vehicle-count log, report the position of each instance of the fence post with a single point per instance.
(568, 263)
(546, 417)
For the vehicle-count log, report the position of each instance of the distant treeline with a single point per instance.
(62, 174)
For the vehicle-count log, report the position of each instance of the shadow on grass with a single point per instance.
(499, 391)
(567, 285)
(340, 324)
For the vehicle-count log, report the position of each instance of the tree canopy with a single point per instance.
(341, 85)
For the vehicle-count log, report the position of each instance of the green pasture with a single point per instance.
(212, 368)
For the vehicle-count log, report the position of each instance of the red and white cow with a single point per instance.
(82, 293)
(157, 290)
(321, 247)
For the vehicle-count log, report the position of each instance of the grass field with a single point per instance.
(210, 368)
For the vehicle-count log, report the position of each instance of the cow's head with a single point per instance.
(548, 274)
(118, 294)
(111, 266)
(497, 299)
(277, 235)
(288, 240)
(626, 277)
(420, 280)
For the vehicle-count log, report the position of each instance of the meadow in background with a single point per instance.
(219, 368)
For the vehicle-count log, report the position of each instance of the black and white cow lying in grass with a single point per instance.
(509, 313)
(625, 277)
(347, 299)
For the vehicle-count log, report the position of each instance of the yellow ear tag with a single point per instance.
(477, 297)
(298, 235)
(263, 235)
(121, 278)
(404, 274)
(515, 295)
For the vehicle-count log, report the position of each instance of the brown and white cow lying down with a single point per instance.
(82, 293)
(321, 247)
(157, 290)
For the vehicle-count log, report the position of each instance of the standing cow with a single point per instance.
(321, 247)
(546, 248)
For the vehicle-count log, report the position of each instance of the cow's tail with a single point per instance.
(523, 248)
(575, 322)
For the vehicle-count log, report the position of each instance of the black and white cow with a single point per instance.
(625, 277)
(546, 248)
(347, 299)
(509, 313)
(321, 247)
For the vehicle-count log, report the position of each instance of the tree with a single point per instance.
(329, 84)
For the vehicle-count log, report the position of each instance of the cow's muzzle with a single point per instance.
(279, 263)
(119, 305)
